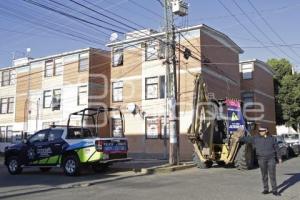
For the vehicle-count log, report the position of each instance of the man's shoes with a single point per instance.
(275, 193)
(265, 192)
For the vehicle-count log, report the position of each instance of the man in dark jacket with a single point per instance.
(267, 150)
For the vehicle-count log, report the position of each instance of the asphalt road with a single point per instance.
(194, 184)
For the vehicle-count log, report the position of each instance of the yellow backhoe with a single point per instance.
(217, 125)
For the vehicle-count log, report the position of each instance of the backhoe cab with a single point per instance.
(215, 130)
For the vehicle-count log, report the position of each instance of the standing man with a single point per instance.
(267, 150)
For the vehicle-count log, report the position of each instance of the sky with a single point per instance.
(272, 34)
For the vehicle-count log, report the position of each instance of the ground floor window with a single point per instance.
(6, 134)
(117, 127)
(155, 127)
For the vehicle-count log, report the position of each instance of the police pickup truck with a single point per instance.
(70, 148)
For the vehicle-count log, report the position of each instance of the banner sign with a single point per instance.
(235, 116)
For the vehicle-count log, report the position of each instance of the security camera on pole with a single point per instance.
(177, 7)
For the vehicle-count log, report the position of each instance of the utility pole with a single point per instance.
(177, 7)
(173, 159)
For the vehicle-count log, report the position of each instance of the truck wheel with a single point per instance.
(13, 165)
(98, 168)
(45, 169)
(244, 159)
(200, 164)
(71, 165)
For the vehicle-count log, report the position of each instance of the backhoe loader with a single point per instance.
(217, 125)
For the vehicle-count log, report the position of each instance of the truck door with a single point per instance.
(56, 144)
(38, 148)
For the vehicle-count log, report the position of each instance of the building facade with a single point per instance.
(257, 87)
(138, 82)
(36, 93)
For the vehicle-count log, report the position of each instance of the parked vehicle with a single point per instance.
(68, 147)
(293, 141)
(283, 147)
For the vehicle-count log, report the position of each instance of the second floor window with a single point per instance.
(56, 99)
(117, 91)
(82, 98)
(155, 87)
(83, 61)
(7, 78)
(7, 105)
(47, 99)
(52, 99)
(248, 98)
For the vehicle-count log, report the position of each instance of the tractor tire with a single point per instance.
(200, 164)
(244, 159)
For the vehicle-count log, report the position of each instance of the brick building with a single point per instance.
(257, 87)
(138, 81)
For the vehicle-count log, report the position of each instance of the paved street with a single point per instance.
(216, 183)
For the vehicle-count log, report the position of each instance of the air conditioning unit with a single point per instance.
(179, 7)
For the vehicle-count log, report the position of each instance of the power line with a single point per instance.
(270, 27)
(261, 31)
(72, 16)
(241, 24)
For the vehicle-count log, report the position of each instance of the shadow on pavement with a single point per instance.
(291, 181)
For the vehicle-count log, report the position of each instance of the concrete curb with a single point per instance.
(167, 168)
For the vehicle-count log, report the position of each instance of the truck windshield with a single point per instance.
(78, 133)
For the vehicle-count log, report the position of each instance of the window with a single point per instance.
(11, 105)
(117, 93)
(117, 127)
(151, 51)
(47, 99)
(117, 57)
(7, 105)
(2, 133)
(58, 67)
(56, 99)
(8, 78)
(82, 95)
(4, 105)
(247, 70)
(55, 134)
(9, 134)
(39, 137)
(248, 98)
(48, 68)
(155, 127)
(83, 61)
(155, 87)
(78, 133)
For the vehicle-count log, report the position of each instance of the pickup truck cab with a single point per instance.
(69, 147)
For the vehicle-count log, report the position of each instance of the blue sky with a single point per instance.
(17, 33)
